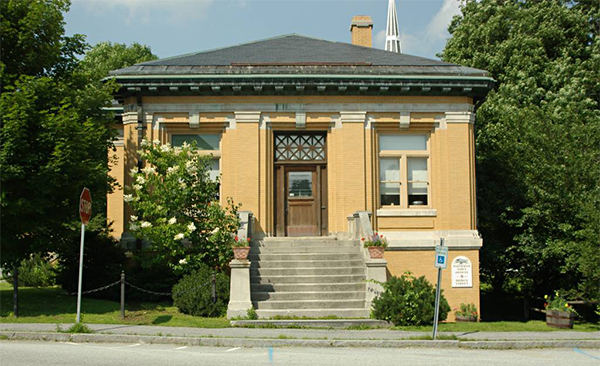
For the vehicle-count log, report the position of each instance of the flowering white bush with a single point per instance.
(176, 211)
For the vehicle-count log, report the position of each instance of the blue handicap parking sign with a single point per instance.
(441, 259)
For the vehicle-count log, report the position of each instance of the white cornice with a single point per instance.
(242, 108)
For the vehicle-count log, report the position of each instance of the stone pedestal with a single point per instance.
(239, 293)
(376, 270)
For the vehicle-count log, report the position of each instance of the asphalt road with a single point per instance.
(17, 353)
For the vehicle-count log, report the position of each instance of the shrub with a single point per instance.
(407, 300)
(153, 277)
(35, 271)
(193, 294)
(177, 210)
(467, 311)
(103, 261)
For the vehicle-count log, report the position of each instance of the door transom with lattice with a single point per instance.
(300, 184)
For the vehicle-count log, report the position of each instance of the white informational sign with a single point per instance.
(441, 257)
(462, 272)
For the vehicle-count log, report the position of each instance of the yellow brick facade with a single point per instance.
(420, 263)
(352, 126)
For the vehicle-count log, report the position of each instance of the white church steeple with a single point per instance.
(392, 36)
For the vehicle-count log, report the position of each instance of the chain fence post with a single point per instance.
(214, 288)
(123, 294)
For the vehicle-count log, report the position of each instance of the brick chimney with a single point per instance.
(361, 29)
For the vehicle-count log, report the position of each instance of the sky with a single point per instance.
(177, 27)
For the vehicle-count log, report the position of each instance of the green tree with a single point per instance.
(176, 211)
(54, 135)
(53, 144)
(107, 56)
(32, 40)
(538, 139)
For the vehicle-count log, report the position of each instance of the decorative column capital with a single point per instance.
(247, 116)
(353, 116)
(404, 120)
(460, 117)
(194, 120)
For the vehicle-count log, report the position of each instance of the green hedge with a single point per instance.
(193, 294)
(407, 300)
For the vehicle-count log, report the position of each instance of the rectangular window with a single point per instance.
(204, 141)
(404, 170)
(207, 144)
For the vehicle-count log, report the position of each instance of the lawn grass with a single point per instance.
(51, 305)
(513, 326)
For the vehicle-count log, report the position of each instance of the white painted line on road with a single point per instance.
(184, 347)
(133, 345)
(71, 343)
(233, 349)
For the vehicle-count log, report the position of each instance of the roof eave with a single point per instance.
(431, 85)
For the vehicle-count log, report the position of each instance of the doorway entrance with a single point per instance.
(300, 184)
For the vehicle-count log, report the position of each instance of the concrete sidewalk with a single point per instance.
(281, 337)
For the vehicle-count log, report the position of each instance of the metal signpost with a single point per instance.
(441, 262)
(85, 212)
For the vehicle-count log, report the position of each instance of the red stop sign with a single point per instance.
(85, 206)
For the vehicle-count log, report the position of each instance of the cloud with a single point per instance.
(437, 28)
(174, 12)
(431, 39)
(379, 39)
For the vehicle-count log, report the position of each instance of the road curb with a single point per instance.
(290, 342)
(316, 323)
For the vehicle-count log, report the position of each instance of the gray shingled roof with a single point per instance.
(297, 54)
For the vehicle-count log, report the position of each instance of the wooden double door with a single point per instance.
(301, 193)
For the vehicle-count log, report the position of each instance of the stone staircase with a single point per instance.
(313, 277)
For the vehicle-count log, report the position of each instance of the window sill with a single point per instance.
(406, 212)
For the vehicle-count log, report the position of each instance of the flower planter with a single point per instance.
(464, 319)
(241, 253)
(376, 252)
(559, 319)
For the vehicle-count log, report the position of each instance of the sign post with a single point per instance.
(441, 262)
(85, 213)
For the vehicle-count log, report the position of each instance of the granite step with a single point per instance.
(307, 264)
(313, 313)
(312, 295)
(307, 271)
(308, 287)
(310, 304)
(305, 257)
(292, 251)
(306, 279)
